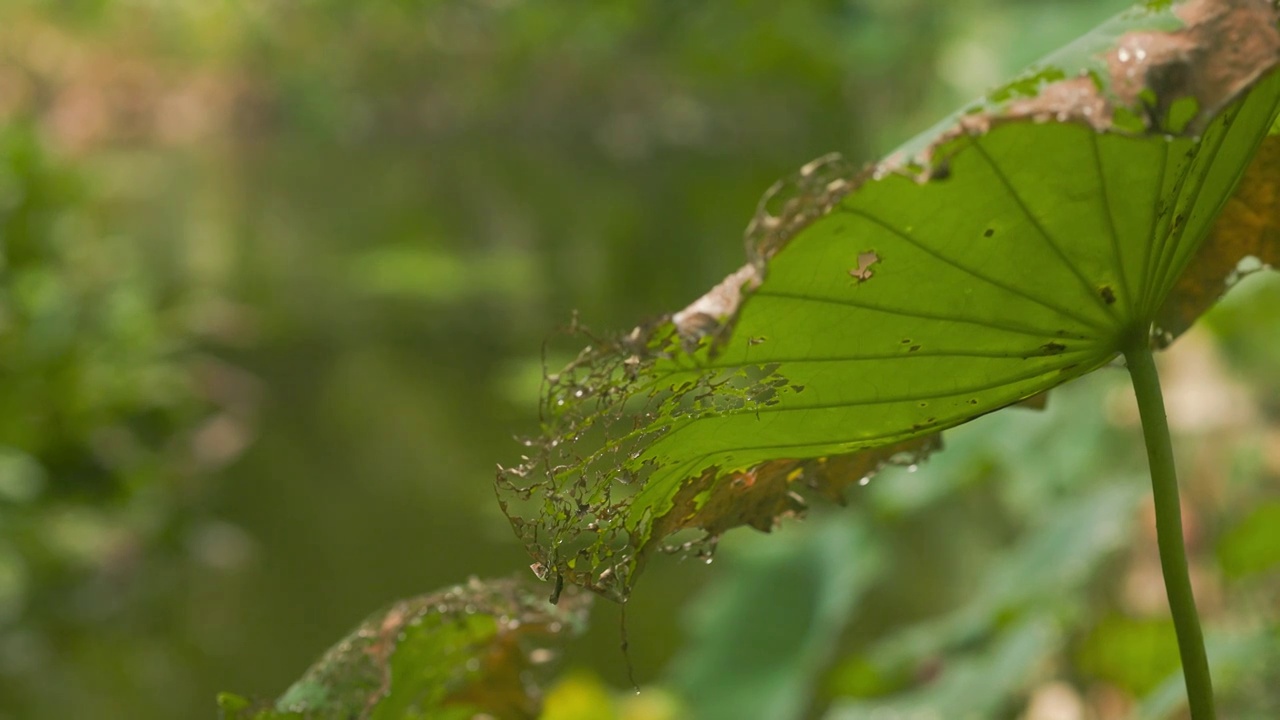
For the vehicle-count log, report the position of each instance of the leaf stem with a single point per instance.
(1173, 553)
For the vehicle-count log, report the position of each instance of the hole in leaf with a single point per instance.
(863, 272)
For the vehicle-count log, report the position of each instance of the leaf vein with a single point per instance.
(1122, 278)
(1090, 290)
(1065, 312)
(902, 312)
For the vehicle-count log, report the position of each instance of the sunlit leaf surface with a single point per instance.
(472, 651)
(1015, 246)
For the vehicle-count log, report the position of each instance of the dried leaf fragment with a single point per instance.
(1225, 47)
(713, 313)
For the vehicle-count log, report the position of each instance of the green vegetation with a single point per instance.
(276, 277)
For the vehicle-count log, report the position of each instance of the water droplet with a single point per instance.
(1123, 55)
(865, 480)
(708, 559)
(912, 467)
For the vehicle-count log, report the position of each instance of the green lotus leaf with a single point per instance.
(1016, 246)
(474, 650)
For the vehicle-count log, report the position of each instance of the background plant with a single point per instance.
(373, 202)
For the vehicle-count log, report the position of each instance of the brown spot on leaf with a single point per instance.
(862, 272)
(1107, 294)
(1053, 348)
(988, 232)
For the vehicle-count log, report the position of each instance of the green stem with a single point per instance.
(1173, 553)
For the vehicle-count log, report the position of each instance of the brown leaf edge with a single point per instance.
(581, 504)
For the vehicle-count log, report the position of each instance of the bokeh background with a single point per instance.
(275, 283)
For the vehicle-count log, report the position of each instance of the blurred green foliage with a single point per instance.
(276, 280)
(1254, 544)
(109, 415)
